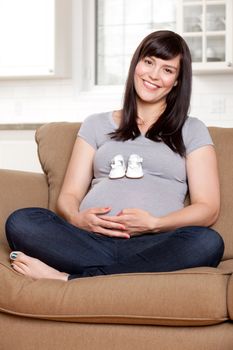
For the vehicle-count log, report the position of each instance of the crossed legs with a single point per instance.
(52, 248)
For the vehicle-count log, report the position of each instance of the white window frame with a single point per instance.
(84, 58)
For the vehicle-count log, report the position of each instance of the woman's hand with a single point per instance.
(92, 220)
(135, 221)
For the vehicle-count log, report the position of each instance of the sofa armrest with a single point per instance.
(20, 189)
(230, 297)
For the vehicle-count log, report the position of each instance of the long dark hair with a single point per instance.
(165, 45)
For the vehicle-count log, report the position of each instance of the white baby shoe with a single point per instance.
(134, 169)
(118, 167)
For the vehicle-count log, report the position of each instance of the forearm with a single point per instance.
(193, 215)
(68, 206)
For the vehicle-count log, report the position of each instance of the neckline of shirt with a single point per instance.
(114, 124)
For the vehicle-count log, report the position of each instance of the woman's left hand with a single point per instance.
(136, 221)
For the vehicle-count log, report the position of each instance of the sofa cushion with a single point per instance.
(230, 297)
(55, 142)
(21, 333)
(187, 297)
(226, 265)
(20, 189)
(223, 140)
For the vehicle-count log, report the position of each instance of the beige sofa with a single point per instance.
(189, 309)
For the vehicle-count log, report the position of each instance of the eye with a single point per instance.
(148, 61)
(168, 70)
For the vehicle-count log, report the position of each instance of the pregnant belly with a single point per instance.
(132, 193)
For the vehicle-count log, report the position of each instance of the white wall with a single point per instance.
(18, 151)
(212, 99)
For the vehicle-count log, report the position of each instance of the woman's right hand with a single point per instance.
(90, 220)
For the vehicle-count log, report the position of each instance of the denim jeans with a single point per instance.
(42, 234)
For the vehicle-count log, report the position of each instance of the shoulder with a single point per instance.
(95, 128)
(98, 118)
(193, 123)
(195, 134)
(98, 123)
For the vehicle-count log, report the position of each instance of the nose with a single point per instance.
(154, 73)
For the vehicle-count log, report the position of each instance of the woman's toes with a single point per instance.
(19, 256)
(19, 267)
(34, 268)
(14, 255)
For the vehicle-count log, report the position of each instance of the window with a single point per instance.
(34, 38)
(104, 35)
(120, 26)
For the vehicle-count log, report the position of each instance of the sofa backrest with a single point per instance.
(223, 141)
(55, 142)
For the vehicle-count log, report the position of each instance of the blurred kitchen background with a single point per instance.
(61, 60)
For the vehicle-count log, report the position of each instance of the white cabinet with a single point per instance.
(207, 27)
(35, 38)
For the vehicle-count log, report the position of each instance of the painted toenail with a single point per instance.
(13, 255)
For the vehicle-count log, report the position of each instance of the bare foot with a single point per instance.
(34, 268)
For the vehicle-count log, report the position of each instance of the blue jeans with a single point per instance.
(42, 234)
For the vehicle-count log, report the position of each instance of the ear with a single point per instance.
(176, 82)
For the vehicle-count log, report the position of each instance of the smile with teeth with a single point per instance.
(150, 86)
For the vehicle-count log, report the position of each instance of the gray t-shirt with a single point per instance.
(163, 187)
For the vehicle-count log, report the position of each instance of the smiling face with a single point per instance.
(154, 78)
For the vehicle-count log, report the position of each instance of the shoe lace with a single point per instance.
(135, 162)
(116, 163)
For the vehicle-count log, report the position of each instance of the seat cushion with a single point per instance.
(187, 297)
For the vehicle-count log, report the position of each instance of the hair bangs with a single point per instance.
(163, 48)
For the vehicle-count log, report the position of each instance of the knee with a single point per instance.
(207, 244)
(211, 242)
(19, 222)
(214, 240)
(14, 221)
(12, 227)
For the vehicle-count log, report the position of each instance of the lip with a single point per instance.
(149, 85)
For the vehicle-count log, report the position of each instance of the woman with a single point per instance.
(122, 200)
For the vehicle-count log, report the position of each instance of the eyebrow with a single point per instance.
(167, 65)
(173, 67)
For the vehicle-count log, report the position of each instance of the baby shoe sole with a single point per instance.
(114, 178)
(131, 177)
